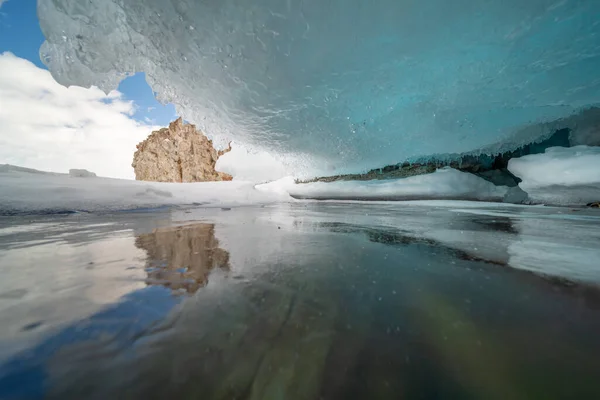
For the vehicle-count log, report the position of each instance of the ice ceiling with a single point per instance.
(341, 85)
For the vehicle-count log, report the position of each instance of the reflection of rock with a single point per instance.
(350, 319)
(179, 153)
(182, 257)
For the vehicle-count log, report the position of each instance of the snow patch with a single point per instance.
(445, 183)
(24, 192)
(560, 176)
(280, 187)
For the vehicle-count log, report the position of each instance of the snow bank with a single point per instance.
(443, 184)
(280, 187)
(560, 176)
(24, 192)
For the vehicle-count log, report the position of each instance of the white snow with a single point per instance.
(29, 192)
(26, 192)
(560, 176)
(281, 186)
(443, 184)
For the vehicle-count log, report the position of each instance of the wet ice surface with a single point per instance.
(303, 301)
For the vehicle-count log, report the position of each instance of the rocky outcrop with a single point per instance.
(179, 153)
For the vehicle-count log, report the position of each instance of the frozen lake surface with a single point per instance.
(308, 300)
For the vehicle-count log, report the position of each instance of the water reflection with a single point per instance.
(181, 258)
(336, 302)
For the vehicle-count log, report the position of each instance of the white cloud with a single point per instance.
(251, 165)
(2, 2)
(46, 126)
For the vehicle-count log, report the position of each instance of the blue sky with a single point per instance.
(21, 35)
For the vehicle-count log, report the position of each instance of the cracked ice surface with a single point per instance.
(341, 85)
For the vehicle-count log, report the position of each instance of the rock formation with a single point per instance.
(179, 153)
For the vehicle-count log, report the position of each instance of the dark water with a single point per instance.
(304, 301)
